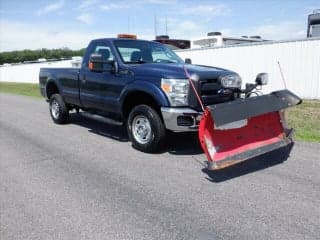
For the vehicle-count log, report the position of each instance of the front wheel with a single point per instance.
(58, 109)
(145, 129)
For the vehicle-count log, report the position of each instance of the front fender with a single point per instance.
(147, 87)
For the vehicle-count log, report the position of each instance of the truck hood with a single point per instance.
(172, 70)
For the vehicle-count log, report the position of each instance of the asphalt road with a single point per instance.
(84, 181)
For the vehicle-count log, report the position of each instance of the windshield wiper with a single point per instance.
(136, 62)
(169, 61)
(163, 61)
(141, 61)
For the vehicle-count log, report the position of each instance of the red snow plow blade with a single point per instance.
(233, 132)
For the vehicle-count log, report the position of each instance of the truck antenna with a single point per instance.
(282, 77)
(128, 24)
(155, 25)
(166, 26)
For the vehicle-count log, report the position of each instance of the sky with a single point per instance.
(61, 23)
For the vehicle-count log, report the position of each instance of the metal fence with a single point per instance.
(299, 61)
(28, 73)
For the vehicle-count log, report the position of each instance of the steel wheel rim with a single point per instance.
(55, 109)
(141, 129)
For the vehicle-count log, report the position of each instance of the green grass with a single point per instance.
(26, 89)
(304, 118)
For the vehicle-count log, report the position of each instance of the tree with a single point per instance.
(34, 55)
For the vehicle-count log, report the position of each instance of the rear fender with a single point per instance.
(56, 83)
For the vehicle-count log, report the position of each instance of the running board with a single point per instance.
(101, 118)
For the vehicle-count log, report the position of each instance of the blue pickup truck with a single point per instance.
(141, 84)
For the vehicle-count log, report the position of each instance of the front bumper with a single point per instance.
(181, 119)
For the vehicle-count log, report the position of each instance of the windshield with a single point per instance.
(133, 52)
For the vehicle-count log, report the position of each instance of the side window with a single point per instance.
(105, 51)
(128, 54)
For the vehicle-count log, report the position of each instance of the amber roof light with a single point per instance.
(125, 35)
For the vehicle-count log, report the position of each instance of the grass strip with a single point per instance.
(26, 89)
(305, 119)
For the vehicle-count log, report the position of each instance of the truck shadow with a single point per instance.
(106, 130)
(188, 144)
(183, 144)
(177, 144)
(252, 165)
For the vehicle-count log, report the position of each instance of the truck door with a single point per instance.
(100, 90)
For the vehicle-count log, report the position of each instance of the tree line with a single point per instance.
(33, 55)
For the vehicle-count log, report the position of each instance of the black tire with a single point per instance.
(147, 116)
(58, 109)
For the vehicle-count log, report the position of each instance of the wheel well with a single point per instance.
(136, 98)
(51, 89)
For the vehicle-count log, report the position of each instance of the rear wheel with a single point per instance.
(145, 129)
(58, 109)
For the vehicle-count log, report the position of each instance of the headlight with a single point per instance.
(231, 81)
(176, 91)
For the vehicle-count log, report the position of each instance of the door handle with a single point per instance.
(83, 80)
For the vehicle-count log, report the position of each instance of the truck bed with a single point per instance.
(68, 81)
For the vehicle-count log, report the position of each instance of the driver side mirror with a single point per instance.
(97, 64)
(188, 61)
